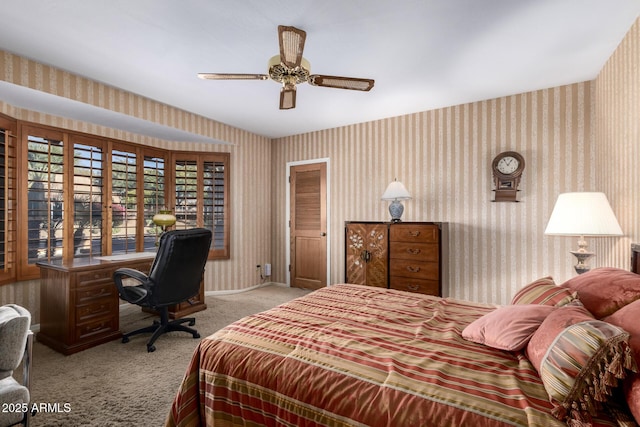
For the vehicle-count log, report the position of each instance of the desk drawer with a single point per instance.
(418, 233)
(428, 287)
(415, 270)
(91, 278)
(88, 294)
(87, 331)
(414, 251)
(101, 307)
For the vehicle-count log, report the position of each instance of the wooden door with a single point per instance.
(308, 232)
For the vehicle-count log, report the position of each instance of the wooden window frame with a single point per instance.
(10, 129)
(200, 159)
(18, 229)
(168, 189)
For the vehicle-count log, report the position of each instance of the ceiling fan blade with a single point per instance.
(288, 97)
(341, 82)
(291, 41)
(228, 76)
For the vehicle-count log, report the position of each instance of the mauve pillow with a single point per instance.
(509, 327)
(605, 290)
(549, 330)
(628, 318)
(543, 291)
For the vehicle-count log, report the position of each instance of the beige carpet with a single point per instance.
(118, 384)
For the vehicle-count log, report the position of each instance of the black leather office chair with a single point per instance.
(174, 277)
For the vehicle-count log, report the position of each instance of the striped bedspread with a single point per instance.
(351, 355)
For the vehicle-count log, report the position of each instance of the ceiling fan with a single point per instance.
(290, 68)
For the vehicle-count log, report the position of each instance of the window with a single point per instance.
(201, 196)
(86, 196)
(124, 201)
(154, 197)
(7, 199)
(45, 202)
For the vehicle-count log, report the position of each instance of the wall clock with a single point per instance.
(507, 170)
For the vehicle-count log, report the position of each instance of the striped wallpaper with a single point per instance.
(618, 142)
(444, 159)
(580, 137)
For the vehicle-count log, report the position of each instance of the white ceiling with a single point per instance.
(423, 54)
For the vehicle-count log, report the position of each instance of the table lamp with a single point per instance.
(163, 219)
(582, 214)
(395, 192)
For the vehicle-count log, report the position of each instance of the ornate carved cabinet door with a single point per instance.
(366, 253)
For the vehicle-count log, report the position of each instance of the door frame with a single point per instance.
(287, 232)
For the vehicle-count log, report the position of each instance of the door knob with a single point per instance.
(323, 234)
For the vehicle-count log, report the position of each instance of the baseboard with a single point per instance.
(250, 288)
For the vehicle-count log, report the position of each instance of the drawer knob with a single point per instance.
(413, 287)
(365, 255)
(413, 269)
(413, 251)
(414, 233)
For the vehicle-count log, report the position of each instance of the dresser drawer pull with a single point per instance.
(413, 287)
(413, 269)
(413, 251)
(414, 233)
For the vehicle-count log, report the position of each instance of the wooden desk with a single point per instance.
(79, 304)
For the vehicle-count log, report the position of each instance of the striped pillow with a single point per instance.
(582, 363)
(544, 292)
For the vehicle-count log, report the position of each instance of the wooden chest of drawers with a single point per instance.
(406, 256)
(414, 258)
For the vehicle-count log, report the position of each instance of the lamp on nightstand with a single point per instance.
(395, 192)
(582, 214)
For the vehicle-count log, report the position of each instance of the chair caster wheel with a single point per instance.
(151, 348)
(193, 322)
(196, 335)
(125, 340)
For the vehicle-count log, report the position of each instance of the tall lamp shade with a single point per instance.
(395, 192)
(582, 214)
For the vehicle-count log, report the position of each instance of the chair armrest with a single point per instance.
(130, 272)
(123, 273)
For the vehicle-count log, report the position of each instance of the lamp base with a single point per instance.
(396, 209)
(582, 256)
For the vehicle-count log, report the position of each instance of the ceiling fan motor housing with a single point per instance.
(285, 75)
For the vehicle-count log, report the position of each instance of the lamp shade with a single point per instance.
(396, 191)
(164, 218)
(583, 214)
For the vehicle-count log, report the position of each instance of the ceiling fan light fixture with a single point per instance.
(279, 72)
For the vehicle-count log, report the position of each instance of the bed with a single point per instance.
(351, 355)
